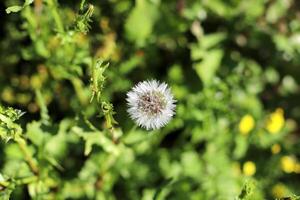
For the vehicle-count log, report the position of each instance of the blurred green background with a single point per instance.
(233, 67)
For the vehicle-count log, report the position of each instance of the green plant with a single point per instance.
(65, 70)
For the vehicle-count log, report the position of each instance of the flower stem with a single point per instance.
(30, 161)
(55, 14)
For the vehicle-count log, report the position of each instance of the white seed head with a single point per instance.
(151, 104)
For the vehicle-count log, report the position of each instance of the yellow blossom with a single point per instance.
(279, 190)
(288, 164)
(246, 124)
(276, 121)
(276, 148)
(297, 168)
(249, 168)
(36, 82)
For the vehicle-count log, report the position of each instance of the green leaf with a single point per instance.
(207, 68)
(241, 146)
(13, 9)
(140, 22)
(18, 8)
(5, 195)
(35, 133)
(8, 128)
(43, 107)
(211, 40)
(82, 21)
(254, 11)
(162, 186)
(191, 164)
(220, 8)
(28, 2)
(128, 65)
(6, 188)
(277, 10)
(35, 189)
(246, 191)
(57, 146)
(95, 138)
(97, 79)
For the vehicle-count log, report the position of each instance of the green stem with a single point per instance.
(78, 86)
(53, 6)
(133, 129)
(109, 162)
(24, 148)
(41, 102)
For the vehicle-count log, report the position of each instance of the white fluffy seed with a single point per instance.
(151, 104)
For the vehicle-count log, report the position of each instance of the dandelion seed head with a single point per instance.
(151, 104)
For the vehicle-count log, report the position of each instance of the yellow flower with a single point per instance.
(249, 168)
(276, 148)
(288, 164)
(297, 168)
(279, 190)
(246, 124)
(276, 121)
(36, 82)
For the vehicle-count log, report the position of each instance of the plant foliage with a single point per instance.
(233, 67)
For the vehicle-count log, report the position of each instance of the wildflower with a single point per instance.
(151, 104)
(246, 124)
(276, 148)
(279, 190)
(297, 168)
(275, 121)
(288, 164)
(249, 168)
